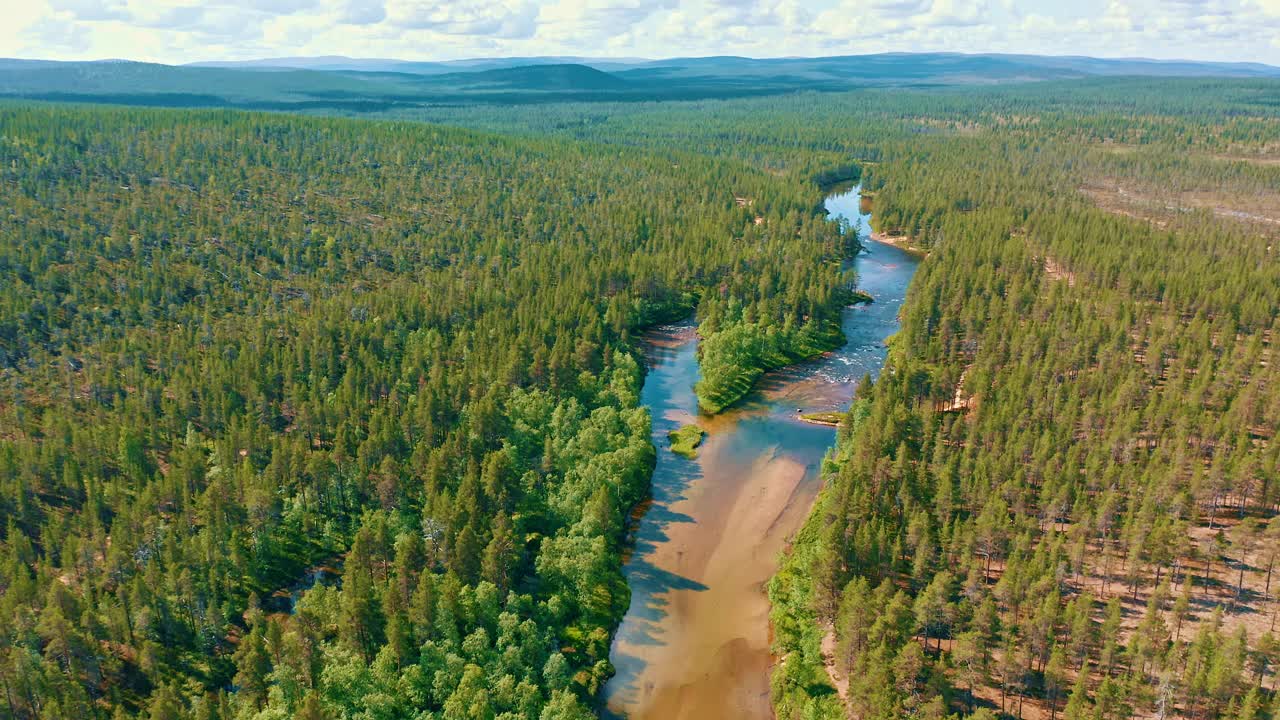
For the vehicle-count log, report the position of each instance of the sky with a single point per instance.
(179, 31)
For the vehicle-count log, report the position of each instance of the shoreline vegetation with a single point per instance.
(379, 424)
(733, 360)
(830, 419)
(734, 357)
(801, 679)
(686, 440)
(904, 243)
(237, 344)
(897, 238)
(1097, 539)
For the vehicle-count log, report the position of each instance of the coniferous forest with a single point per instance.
(339, 418)
(243, 353)
(1060, 498)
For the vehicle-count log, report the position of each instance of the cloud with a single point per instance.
(53, 32)
(204, 24)
(274, 7)
(899, 8)
(957, 13)
(596, 20)
(92, 10)
(361, 12)
(506, 19)
(180, 17)
(186, 30)
(887, 19)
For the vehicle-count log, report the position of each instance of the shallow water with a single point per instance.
(695, 641)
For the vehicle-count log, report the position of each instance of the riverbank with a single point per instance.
(903, 242)
(696, 641)
(726, 384)
(804, 682)
(734, 359)
(727, 378)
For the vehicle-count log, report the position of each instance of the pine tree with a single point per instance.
(253, 667)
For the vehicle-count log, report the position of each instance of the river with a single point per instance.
(695, 641)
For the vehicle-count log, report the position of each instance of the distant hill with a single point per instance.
(539, 77)
(330, 63)
(109, 78)
(338, 62)
(353, 85)
(884, 66)
(904, 68)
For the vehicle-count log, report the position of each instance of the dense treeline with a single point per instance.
(318, 418)
(1061, 497)
(827, 136)
(242, 352)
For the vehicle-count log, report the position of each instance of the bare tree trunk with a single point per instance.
(1208, 568)
(1106, 566)
(8, 696)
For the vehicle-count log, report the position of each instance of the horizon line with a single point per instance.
(639, 60)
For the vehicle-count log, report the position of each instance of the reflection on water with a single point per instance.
(695, 641)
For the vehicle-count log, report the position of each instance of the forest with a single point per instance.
(1061, 496)
(368, 86)
(287, 428)
(244, 354)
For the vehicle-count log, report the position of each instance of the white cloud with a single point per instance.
(487, 18)
(185, 30)
(571, 21)
(60, 34)
(92, 10)
(361, 12)
(898, 8)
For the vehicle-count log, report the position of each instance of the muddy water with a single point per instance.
(695, 641)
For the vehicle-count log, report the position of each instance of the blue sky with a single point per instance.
(189, 30)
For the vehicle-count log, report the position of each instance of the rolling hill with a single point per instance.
(337, 84)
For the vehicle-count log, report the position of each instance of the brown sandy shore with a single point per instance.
(713, 659)
(903, 242)
(696, 640)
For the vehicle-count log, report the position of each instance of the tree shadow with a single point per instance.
(651, 586)
(649, 583)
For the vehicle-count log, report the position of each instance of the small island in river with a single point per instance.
(832, 419)
(686, 440)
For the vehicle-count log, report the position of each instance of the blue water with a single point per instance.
(695, 640)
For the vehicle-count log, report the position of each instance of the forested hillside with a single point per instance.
(337, 85)
(1061, 497)
(319, 418)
